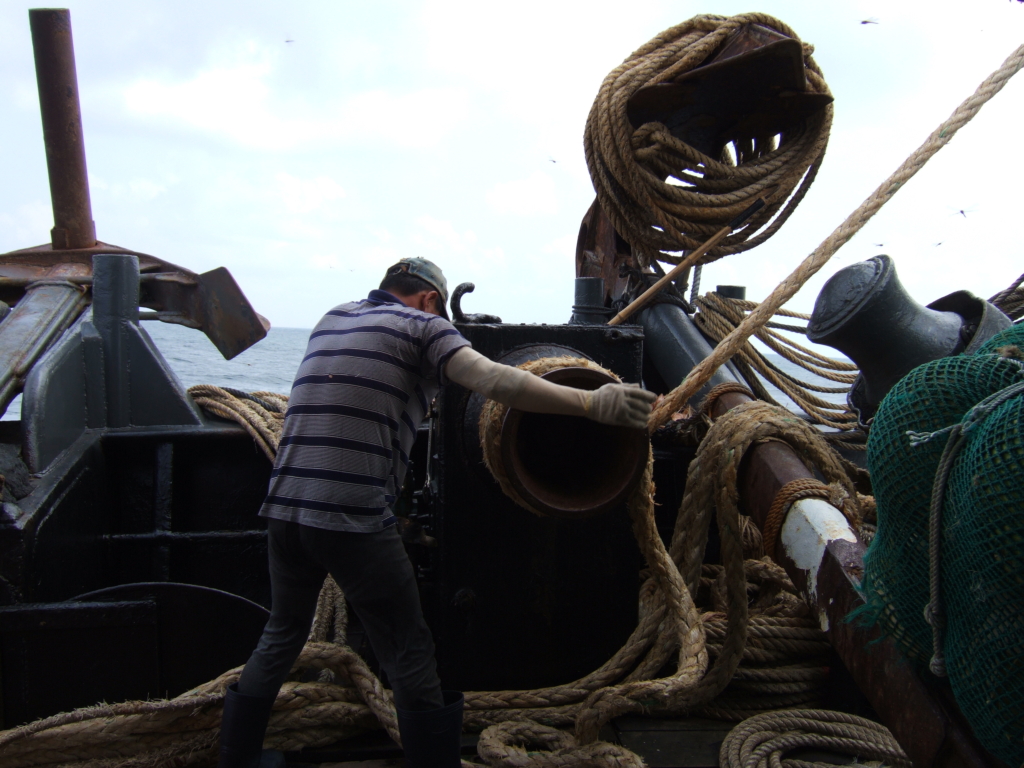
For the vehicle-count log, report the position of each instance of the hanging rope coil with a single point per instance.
(785, 290)
(629, 167)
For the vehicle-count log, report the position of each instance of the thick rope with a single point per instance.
(760, 316)
(754, 648)
(763, 740)
(718, 316)
(629, 167)
(791, 492)
(1011, 299)
(261, 414)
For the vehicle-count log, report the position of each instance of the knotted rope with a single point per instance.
(764, 312)
(629, 167)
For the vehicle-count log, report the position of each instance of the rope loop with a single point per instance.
(526, 744)
(764, 740)
(662, 194)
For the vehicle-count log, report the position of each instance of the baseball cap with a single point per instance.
(428, 272)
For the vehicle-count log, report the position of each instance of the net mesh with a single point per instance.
(983, 533)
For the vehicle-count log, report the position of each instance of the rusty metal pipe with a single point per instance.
(561, 466)
(568, 466)
(920, 714)
(57, 80)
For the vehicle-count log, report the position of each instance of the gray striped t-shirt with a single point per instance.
(370, 371)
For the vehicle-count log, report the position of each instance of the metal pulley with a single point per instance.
(864, 312)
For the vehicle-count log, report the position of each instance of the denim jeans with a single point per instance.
(377, 578)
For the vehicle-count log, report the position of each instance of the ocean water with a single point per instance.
(270, 365)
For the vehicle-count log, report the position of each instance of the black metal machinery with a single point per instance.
(132, 561)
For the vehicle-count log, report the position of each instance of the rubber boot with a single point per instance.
(242, 729)
(433, 739)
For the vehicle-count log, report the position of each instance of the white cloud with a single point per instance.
(145, 189)
(324, 261)
(440, 236)
(564, 247)
(532, 196)
(414, 119)
(239, 99)
(29, 224)
(307, 195)
(138, 188)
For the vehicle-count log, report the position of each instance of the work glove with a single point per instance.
(621, 405)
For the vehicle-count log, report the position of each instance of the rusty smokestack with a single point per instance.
(57, 79)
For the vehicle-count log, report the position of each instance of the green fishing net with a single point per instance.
(983, 533)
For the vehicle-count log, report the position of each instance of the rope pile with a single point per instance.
(702, 194)
(261, 414)
(763, 740)
(739, 637)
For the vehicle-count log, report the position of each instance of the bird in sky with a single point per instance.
(960, 211)
(289, 41)
(871, 20)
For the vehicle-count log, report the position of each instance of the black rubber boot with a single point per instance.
(242, 729)
(433, 739)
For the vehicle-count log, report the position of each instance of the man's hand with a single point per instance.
(621, 405)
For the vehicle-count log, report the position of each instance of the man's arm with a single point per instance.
(617, 404)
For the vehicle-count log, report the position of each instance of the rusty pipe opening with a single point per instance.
(61, 111)
(569, 466)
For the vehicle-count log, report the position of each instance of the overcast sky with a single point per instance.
(306, 146)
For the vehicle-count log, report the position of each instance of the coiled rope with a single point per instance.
(767, 309)
(493, 414)
(763, 740)
(659, 218)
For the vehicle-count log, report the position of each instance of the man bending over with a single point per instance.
(371, 369)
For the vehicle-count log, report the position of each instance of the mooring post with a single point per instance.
(57, 80)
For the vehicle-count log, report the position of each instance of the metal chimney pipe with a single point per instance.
(57, 79)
